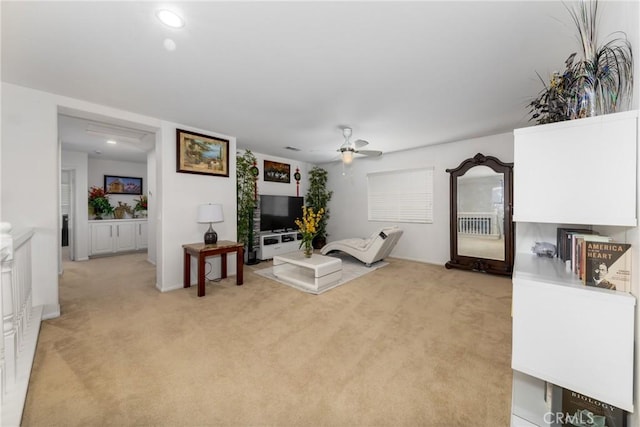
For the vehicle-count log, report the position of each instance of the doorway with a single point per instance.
(87, 153)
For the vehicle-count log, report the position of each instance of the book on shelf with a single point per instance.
(608, 265)
(563, 240)
(582, 253)
(579, 410)
(576, 238)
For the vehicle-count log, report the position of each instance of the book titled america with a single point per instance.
(608, 265)
(583, 411)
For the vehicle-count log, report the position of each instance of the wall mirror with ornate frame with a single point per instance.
(482, 237)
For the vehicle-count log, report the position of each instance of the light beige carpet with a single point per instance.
(410, 344)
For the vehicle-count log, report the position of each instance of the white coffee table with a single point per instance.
(314, 275)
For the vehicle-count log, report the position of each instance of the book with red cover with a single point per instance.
(582, 253)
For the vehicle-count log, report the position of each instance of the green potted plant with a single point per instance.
(141, 206)
(318, 198)
(246, 175)
(99, 202)
(598, 82)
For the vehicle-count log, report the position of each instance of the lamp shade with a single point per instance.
(347, 157)
(211, 212)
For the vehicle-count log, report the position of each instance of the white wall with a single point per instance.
(421, 242)
(620, 16)
(279, 188)
(30, 177)
(151, 187)
(98, 168)
(178, 199)
(78, 162)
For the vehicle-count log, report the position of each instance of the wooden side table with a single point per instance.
(202, 251)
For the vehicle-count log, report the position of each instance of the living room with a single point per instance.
(29, 125)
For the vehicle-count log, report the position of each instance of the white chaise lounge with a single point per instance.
(372, 249)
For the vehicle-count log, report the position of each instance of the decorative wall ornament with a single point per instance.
(277, 172)
(297, 177)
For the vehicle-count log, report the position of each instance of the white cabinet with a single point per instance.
(577, 172)
(125, 236)
(577, 337)
(101, 238)
(141, 235)
(581, 172)
(278, 243)
(112, 236)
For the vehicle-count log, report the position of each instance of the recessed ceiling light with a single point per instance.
(170, 19)
(111, 141)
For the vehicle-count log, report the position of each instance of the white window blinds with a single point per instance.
(401, 196)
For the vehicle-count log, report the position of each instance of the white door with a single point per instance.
(141, 235)
(102, 236)
(125, 236)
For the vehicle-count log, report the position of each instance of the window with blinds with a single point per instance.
(401, 196)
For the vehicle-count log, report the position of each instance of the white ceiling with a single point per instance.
(278, 74)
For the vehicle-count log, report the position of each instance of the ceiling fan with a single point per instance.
(348, 149)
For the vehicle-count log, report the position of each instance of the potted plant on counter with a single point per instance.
(140, 208)
(99, 202)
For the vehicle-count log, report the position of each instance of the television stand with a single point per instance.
(278, 243)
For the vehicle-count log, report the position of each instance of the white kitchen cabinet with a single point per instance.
(113, 236)
(125, 236)
(580, 172)
(101, 238)
(142, 235)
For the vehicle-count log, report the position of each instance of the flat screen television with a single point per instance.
(279, 213)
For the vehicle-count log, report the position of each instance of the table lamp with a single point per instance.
(210, 213)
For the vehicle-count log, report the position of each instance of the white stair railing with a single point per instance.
(483, 224)
(20, 322)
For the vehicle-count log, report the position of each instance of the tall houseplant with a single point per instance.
(598, 82)
(246, 199)
(318, 197)
(604, 75)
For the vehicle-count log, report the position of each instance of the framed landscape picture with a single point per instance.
(122, 185)
(277, 172)
(202, 154)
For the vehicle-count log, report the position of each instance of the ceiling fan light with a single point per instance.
(347, 157)
(170, 18)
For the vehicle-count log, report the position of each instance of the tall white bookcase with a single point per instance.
(574, 173)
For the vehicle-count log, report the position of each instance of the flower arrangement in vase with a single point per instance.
(141, 205)
(99, 202)
(308, 227)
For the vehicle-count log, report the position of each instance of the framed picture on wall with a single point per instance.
(202, 154)
(277, 172)
(114, 184)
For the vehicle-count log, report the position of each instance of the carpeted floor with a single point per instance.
(409, 344)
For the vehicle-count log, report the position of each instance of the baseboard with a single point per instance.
(50, 311)
(13, 401)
